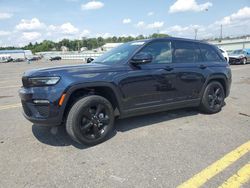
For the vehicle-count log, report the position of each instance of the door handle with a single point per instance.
(168, 68)
(203, 66)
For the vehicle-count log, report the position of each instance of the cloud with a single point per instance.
(236, 18)
(126, 21)
(65, 29)
(74, 1)
(236, 24)
(4, 33)
(189, 5)
(31, 36)
(4, 15)
(155, 25)
(92, 5)
(104, 35)
(68, 29)
(188, 31)
(30, 25)
(151, 13)
(84, 33)
(140, 24)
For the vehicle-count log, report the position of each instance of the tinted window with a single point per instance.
(208, 53)
(119, 54)
(161, 51)
(186, 52)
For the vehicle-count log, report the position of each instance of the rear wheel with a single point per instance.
(90, 120)
(213, 98)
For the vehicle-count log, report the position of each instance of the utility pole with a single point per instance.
(221, 33)
(195, 33)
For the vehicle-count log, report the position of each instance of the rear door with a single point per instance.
(189, 68)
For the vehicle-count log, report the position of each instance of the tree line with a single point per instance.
(75, 45)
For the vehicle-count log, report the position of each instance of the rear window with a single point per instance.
(186, 52)
(209, 53)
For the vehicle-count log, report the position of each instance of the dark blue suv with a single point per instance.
(135, 78)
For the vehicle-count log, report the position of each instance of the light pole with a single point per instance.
(195, 33)
(221, 33)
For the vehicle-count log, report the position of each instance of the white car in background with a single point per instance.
(224, 53)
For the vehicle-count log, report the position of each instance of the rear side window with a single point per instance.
(209, 53)
(161, 51)
(186, 52)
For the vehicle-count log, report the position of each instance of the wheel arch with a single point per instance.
(222, 79)
(106, 90)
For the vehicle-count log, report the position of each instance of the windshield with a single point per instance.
(119, 54)
(237, 52)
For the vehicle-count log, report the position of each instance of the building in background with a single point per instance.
(232, 44)
(64, 49)
(14, 54)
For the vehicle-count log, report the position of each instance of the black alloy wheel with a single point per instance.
(90, 120)
(213, 98)
(94, 121)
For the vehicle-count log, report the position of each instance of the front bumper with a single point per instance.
(235, 61)
(49, 114)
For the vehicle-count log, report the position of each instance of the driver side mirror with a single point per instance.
(90, 59)
(142, 58)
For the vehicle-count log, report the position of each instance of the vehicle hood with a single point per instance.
(236, 55)
(75, 69)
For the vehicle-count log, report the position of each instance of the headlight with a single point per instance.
(43, 81)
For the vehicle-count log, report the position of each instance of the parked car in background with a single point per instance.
(56, 58)
(224, 53)
(5, 58)
(19, 60)
(135, 78)
(239, 57)
(34, 58)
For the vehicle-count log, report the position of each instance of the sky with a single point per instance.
(24, 21)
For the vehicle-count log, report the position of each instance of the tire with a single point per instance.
(244, 61)
(90, 120)
(213, 98)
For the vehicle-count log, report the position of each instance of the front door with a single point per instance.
(151, 84)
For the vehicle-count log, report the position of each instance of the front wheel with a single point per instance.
(213, 98)
(90, 120)
(244, 61)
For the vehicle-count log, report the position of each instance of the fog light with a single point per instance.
(41, 101)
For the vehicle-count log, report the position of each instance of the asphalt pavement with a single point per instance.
(182, 148)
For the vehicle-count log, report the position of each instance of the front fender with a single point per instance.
(72, 88)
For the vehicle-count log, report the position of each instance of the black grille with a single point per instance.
(43, 110)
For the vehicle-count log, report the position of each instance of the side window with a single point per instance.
(161, 51)
(208, 53)
(186, 52)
